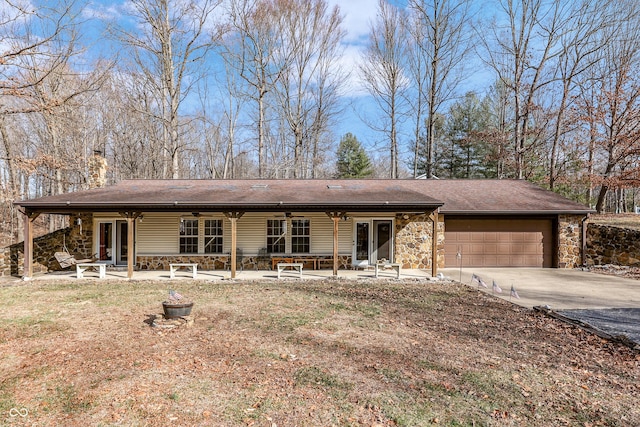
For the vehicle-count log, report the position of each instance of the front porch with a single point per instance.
(120, 273)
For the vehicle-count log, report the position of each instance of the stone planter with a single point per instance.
(176, 310)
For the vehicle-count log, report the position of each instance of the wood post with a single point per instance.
(336, 217)
(233, 217)
(131, 223)
(29, 217)
(434, 246)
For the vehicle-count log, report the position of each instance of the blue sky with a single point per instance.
(358, 15)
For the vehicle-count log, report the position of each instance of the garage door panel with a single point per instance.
(504, 248)
(506, 260)
(489, 237)
(506, 237)
(482, 237)
(531, 248)
(517, 237)
(528, 260)
(499, 242)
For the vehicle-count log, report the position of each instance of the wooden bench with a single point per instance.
(83, 266)
(387, 265)
(284, 265)
(175, 267)
(306, 262)
(277, 260)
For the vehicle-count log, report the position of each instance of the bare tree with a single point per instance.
(174, 37)
(615, 117)
(383, 73)
(41, 90)
(308, 91)
(440, 31)
(581, 47)
(253, 40)
(519, 47)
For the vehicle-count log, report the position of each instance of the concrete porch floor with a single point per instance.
(118, 273)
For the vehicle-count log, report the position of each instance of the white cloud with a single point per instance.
(108, 12)
(350, 62)
(358, 15)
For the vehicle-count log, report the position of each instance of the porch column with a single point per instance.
(335, 217)
(131, 223)
(233, 217)
(434, 244)
(29, 217)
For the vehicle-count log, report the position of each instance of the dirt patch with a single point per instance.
(335, 352)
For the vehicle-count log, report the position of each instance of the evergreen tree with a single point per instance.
(353, 161)
(466, 152)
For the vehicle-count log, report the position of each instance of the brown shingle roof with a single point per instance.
(246, 195)
(455, 196)
(503, 196)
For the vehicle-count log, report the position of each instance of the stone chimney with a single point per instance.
(97, 170)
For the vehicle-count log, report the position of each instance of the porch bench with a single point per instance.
(295, 265)
(83, 266)
(306, 262)
(175, 267)
(277, 260)
(387, 265)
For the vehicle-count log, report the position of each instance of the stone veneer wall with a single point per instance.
(217, 262)
(413, 241)
(612, 245)
(77, 238)
(569, 241)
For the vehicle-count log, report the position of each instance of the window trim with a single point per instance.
(208, 238)
(306, 236)
(280, 239)
(182, 229)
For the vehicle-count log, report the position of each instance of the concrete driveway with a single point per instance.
(608, 303)
(557, 288)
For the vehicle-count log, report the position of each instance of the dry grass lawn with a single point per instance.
(296, 353)
(629, 220)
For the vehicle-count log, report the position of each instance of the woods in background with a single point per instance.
(547, 91)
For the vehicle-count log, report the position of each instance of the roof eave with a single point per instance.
(517, 213)
(70, 207)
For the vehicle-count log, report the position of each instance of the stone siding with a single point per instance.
(219, 262)
(414, 241)
(77, 238)
(612, 245)
(569, 241)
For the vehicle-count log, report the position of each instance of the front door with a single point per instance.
(362, 244)
(382, 240)
(112, 242)
(121, 242)
(373, 241)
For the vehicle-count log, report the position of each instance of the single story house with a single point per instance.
(230, 224)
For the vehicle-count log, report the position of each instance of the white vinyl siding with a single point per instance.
(252, 232)
(159, 233)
